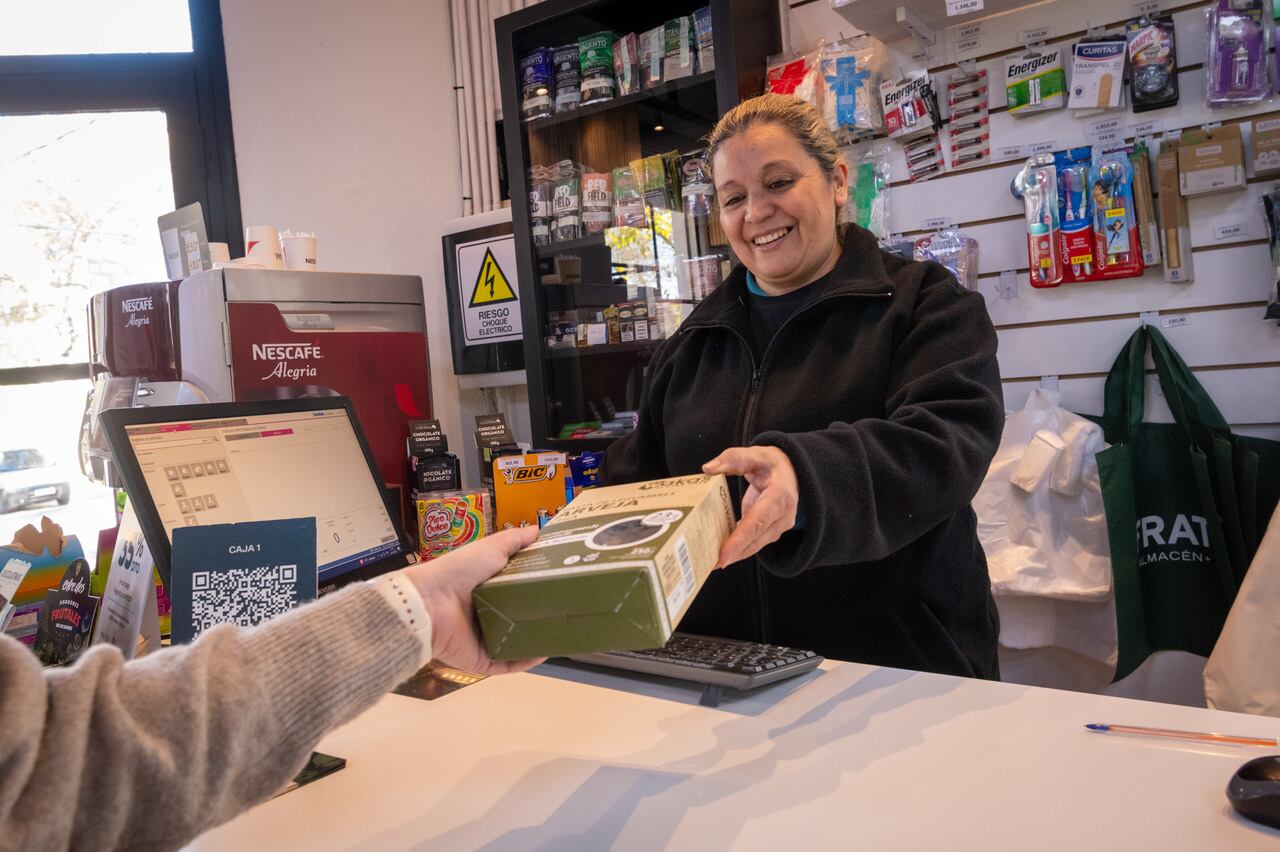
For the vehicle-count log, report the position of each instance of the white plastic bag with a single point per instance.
(1039, 509)
(1243, 674)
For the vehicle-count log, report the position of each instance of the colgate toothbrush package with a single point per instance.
(1076, 214)
(1038, 184)
(1098, 236)
(1115, 223)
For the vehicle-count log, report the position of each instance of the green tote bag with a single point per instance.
(1244, 471)
(1173, 573)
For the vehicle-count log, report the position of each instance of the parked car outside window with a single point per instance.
(26, 479)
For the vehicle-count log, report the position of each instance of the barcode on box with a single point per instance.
(680, 594)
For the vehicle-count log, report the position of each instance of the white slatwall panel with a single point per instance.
(1225, 277)
(1076, 330)
(1235, 389)
(1210, 338)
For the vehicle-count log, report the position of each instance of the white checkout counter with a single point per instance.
(846, 757)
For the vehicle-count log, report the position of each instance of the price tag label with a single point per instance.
(1229, 232)
(1011, 152)
(1147, 128)
(937, 223)
(1175, 322)
(1146, 7)
(968, 39)
(1109, 131)
(963, 7)
(1035, 35)
(1041, 148)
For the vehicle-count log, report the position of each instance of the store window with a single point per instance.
(110, 116)
(48, 27)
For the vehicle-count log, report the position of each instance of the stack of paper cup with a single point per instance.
(299, 251)
(262, 243)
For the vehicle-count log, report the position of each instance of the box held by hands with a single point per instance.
(615, 570)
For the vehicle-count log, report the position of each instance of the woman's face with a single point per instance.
(777, 207)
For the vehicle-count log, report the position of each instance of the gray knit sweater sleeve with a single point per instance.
(104, 755)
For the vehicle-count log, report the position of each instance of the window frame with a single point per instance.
(190, 88)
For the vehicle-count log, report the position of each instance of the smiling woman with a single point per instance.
(857, 396)
(781, 181)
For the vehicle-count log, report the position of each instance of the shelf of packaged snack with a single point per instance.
(656, 93)
(603, 349)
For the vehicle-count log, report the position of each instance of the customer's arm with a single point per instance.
(147, 754)
(870, 487)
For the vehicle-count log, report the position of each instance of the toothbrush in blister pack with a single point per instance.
(1113, 208)
(1077, 219)
(1038, 185)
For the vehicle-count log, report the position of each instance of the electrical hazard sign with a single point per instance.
(491, 285)
(486, 292)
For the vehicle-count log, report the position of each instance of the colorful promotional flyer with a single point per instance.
(128, 588)
(66, 620)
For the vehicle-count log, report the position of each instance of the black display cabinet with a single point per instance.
(595, 306)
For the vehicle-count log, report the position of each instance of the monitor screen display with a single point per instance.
(257, 467)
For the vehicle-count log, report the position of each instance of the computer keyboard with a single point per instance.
(718, 664)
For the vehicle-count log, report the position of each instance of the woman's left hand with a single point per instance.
(768, 507)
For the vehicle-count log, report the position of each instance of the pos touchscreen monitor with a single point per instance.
(222, 463)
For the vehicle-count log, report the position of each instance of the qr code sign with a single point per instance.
(243, 596)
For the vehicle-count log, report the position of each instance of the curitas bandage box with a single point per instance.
(614, 571)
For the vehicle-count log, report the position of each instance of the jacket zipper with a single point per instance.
(757, 373)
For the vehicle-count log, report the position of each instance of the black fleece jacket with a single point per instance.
(884, 392)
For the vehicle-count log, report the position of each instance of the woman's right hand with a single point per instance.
(446, 584)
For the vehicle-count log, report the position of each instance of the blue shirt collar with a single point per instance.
(752, 287)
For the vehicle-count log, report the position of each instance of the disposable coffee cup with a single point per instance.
(262, 243)
(219, 253)
(299, 252)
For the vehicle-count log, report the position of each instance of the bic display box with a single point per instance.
(614, 571)
(528, 488)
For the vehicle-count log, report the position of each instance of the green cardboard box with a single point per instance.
(615, 570)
